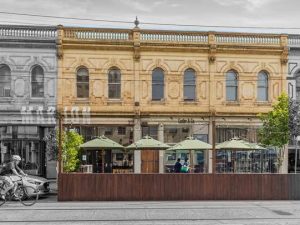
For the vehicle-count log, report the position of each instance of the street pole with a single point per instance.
(213, 145)
(296, 143)
(59, 143)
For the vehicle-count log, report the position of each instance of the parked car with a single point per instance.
(36, 182)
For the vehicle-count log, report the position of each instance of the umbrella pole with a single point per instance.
(102, 155)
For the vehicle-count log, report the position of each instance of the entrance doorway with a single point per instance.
(150, 161)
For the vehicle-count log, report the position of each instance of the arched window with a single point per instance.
(231, 86)
(82, 83)
(114, 83)
(262, 86)
(37, 82)
(189, 86)
(5, 81)
(157, 84)
(298, 86)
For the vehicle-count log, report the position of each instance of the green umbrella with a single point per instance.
(101, 142)
(190, 144)
(236, 143)
(149, 143)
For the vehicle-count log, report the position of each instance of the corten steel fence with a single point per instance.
(154, 187)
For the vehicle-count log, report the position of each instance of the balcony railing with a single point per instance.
(294, 41)
(174, 37)
(27, 32)
(97, 34)
(247, 39)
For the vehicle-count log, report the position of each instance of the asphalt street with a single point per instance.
(49, 211)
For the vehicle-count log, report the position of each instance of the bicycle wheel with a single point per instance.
(27, 195)
(2, 201)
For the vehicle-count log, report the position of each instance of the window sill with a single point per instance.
(232, 103)
(6, 99)
(193, 102)
(261, 103)
(114, 101)
(158, 102)
(81, 101)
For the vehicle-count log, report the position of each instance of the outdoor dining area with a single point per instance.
(103, 155)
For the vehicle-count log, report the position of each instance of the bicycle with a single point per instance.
(27, 195)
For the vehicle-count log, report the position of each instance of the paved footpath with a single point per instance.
(48, 211)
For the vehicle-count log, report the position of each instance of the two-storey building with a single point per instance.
(169, 84)
(28, 72)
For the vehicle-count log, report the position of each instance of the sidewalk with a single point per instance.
(53, 186)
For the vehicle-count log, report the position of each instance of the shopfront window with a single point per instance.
(176, 133)
(151, 131)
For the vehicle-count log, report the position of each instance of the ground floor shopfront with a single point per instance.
(28, 142)
(169, 130)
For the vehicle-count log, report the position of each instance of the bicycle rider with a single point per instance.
(11, 168)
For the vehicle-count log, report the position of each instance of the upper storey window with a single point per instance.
(82, 83)
(114, 83)
(5, 81)
(262, 86)
(158, 84)
(189, 92)
(37, 82)
(231, 86)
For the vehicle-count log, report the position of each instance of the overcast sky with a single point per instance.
(245, 13)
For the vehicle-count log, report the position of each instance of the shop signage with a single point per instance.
(186, 120)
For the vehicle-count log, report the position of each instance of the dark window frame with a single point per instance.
(82, 83)
(37, 82)
(232, 84)
(114, 83)
(189, 84)
(158, 83)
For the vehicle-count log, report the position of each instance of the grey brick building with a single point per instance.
(28, 73)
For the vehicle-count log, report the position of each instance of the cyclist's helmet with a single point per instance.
(16, 157)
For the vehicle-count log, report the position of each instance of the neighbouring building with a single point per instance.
(28, 75)
(127, 83)
(293, 87)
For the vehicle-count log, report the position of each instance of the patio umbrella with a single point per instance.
(101, 143)
(149, 143)
(190, 143)
(239, 144)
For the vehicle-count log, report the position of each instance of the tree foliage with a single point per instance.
(51, 145)
(71, 141)
(275, 130)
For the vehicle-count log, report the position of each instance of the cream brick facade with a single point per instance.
(137, 52)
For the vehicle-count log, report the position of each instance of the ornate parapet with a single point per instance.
(27, 32)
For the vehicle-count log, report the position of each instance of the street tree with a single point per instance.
(276, 126)
(71, 141)
(51, 145)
